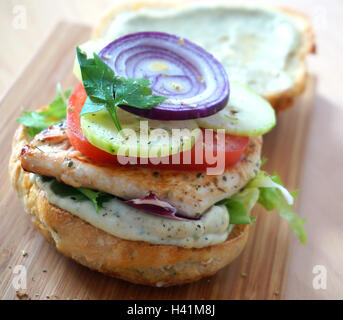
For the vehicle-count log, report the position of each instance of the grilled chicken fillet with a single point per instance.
(192, 193)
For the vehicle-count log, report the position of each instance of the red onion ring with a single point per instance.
(154, 205)
(194, 82)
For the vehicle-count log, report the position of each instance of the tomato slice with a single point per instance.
(74, 132)
(234, 145)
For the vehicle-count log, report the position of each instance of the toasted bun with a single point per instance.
(280, 100)
(135, 261)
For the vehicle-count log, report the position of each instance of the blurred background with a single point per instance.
(25, 24)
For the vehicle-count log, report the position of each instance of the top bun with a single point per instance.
(298, 71)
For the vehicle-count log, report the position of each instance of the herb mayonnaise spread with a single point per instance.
(123, 221)
(256, 45)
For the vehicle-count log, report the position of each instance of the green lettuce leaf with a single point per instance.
(276, 198)
(35, 122)
(79, 194)
(98, 198)
(269, 192)
(240, 205)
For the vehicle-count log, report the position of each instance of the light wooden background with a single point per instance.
(321, 192)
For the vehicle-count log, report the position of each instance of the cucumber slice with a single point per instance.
(89, 48)
(247, 114)
(157, 139)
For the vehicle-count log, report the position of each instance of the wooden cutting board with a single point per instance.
(259, 273)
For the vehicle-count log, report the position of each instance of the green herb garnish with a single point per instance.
(106, 91)
(35, 122)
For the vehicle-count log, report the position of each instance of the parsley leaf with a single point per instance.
(106, 91)
(135, 93)
(35, 122)
(97, 77)
(92, 106)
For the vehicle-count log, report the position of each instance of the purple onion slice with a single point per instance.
(154, 205)
(194, 82)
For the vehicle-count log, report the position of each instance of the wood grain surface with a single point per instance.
(261, 272)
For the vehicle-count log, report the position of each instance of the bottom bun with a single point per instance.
(134, 261)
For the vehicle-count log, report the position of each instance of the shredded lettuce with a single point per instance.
(269, 192)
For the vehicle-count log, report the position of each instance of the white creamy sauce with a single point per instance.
(256, 45)
(125, 222)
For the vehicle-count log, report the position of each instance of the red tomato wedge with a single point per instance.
(234, 145)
